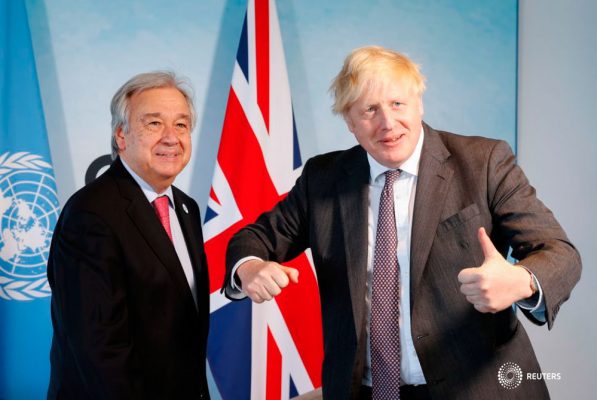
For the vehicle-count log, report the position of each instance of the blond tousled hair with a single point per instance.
(368, 64)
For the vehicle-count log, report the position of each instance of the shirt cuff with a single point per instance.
(536, 303)
(236, 288)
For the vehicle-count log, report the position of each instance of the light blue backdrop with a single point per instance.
(86, 49)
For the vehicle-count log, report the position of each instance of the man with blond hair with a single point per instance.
(408, 232)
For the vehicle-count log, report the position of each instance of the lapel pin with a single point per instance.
(184, 207)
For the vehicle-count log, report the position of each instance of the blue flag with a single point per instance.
(29, 209)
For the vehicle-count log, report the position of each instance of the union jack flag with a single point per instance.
(272, 350)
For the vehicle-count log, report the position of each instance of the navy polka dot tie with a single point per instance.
(385, 300)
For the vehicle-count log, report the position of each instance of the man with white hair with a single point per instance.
(130, 293)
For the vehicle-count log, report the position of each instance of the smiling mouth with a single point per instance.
(167, 155)
(392, 140)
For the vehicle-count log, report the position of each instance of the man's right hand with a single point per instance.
(263, 280)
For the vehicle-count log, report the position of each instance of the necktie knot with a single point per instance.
(162, 210)
(391, 176)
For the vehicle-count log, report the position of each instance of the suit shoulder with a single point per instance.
(95, 196)
(457, 140)
(322, 172)
(336, 159)
(472, 146)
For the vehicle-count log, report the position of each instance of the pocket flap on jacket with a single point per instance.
(459, 218)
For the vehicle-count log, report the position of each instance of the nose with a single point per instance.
(169, 135)
(385, 119)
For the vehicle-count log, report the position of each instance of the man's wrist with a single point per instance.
(532, 280)
(236, 282)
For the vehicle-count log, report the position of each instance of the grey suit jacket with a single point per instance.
(464, 183)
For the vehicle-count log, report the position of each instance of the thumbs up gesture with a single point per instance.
(496, 284)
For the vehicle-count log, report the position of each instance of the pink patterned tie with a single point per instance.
(161, 207)
(385, 300)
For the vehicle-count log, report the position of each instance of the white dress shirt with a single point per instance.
(178, 239)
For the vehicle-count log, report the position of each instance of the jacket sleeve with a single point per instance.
(537, 240)
(89, 305)
(278, 235)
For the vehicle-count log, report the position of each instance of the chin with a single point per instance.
(169, 172)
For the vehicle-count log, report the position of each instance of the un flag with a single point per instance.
(29, 209)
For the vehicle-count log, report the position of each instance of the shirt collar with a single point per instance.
(146, 187)
(410, 166)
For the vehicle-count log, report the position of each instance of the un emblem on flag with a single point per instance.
(29, 209)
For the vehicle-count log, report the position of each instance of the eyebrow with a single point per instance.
(158, 114)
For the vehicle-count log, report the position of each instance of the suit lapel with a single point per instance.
(353, 192)
(148, 225)
(189, 230)
(432, 184)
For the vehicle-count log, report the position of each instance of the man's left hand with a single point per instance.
(496, 284)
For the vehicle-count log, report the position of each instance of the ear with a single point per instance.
(421, 108)
(120, 141)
